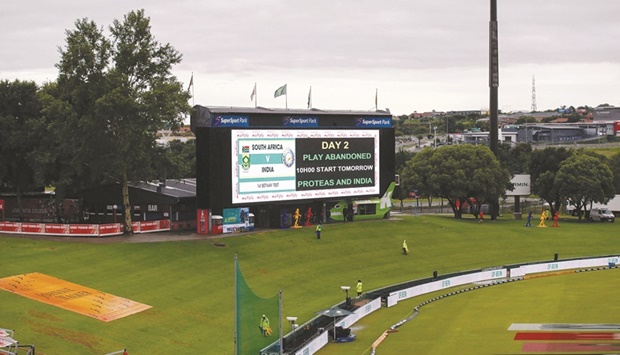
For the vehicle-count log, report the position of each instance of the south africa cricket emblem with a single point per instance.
(245, 157)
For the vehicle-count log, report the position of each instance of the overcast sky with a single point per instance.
(420, 55)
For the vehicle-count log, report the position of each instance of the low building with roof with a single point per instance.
(541, 133)
(606, 114)
(165, 199)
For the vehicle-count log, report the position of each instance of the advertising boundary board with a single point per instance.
(447, 281)
(82, 230)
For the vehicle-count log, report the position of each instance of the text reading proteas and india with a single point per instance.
(328, 163)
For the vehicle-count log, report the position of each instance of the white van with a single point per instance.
(601, 215)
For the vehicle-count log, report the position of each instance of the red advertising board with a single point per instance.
(135, 227)
(164, 224)
(82, 230)
(10, 227)
(33, 228)
(85, 230)
(110, 229)
(57, 229)
(151, 226)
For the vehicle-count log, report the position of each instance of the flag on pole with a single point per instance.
(281, 91)
(310, 98)
(253, 93)
(191, 83)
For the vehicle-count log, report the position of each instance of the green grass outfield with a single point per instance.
(190, 283)
(477, 322)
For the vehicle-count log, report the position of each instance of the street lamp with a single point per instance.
(604, 132)
(346, 290)
(115, 207)
(435, 137)
(292, 321)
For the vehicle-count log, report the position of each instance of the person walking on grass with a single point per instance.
(405, 247)
(542, 220)
(317, 231)
(359, 287)
(556, 218)
(528, 222)
(264, 326)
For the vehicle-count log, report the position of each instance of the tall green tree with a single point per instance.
(122, 91)
(178, 160)
(544, 165)
(83, 149)
(19, 113)
(615, 167)
(515, 158)
(583, 179)
(19, 134)
(401, 158)
(458, 174)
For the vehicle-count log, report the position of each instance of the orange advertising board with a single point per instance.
(73, 297)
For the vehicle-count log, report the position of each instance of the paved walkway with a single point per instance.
(136, 238)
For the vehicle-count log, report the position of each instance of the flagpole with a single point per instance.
(255, 96)
(376, 99)
(236, 314)
(281, 338)
(286, 98)
(193, 100)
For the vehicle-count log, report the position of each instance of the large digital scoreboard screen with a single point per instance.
(276, 165)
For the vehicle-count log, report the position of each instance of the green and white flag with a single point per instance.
(281, 91)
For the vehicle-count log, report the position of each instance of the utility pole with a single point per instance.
(493, 86)
(533, 94)
(493, 78)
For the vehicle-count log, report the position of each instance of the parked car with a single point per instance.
(601, 215)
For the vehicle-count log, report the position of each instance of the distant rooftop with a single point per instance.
(175, 188)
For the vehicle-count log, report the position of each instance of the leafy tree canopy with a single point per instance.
(457, 173)
(544, 164)
(121, 91)
(583, 179)
(19, 133)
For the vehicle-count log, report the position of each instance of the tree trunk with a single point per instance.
(20, 209)
(455, 211)
(126, 204)
(494, 209)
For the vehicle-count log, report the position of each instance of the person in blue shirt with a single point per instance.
(528, 222)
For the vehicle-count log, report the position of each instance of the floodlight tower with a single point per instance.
(493, 79)
(534, 94)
